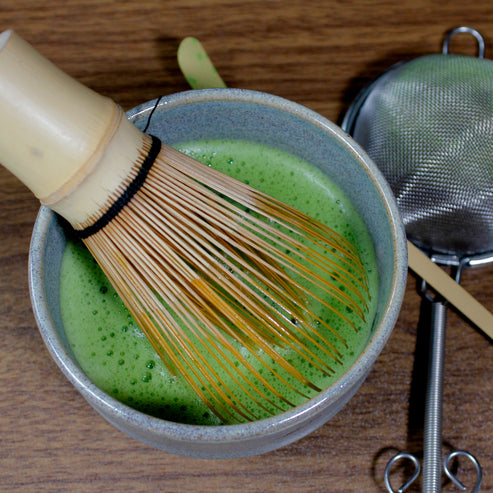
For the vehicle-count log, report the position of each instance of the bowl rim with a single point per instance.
(231, 432)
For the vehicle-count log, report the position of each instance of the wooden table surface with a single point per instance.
(320, 54)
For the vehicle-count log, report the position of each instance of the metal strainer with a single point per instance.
(428, 125)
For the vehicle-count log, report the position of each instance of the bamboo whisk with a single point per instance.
(222, 279)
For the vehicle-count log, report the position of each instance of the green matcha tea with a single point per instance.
(113, 351)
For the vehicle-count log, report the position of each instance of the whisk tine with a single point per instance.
(324, 264)
(181, 344)
(173, 348)
(180, 336)
(213, 270)
(285, 301)
(259, 202)
(245, 331)
(271, 209)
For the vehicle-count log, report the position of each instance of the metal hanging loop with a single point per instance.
(452, 477)
(404, 487)
(468, 30)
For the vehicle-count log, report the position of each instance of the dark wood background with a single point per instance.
(318, 53)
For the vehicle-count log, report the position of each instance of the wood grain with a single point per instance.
(318, 53)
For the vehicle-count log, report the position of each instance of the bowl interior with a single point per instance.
(230, 113)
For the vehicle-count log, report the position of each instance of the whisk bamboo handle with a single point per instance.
(56, 134)
(438, 279)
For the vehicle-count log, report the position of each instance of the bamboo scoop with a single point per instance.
(205, 75)
(221, 278)
(196, 65)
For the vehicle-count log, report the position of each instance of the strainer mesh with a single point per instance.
(428, 125)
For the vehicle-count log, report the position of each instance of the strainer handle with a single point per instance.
(468, 30)
(432, 446)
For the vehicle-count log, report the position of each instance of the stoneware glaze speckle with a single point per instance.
(259, 117)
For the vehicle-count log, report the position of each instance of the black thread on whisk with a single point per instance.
(127, 195)
(158, 100)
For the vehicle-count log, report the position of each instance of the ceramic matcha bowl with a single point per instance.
(262, 118)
